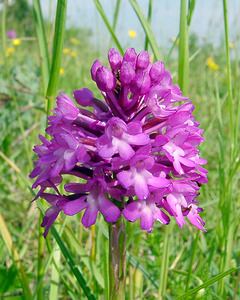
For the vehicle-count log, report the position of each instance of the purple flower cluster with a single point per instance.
(134, 153)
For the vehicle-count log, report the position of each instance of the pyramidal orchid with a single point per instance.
(133, 153)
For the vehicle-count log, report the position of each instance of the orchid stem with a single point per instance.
(117, 260)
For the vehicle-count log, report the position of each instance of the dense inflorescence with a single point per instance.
(134, 153)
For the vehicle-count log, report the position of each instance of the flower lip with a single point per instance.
(115, 127)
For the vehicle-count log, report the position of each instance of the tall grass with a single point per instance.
(169, 263)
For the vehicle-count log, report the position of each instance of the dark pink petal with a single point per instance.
(75, 206)
(110, 211)
(132, 211)
(125, 178)
(141, 187)
(83, 96)
(90, 216)
(146, 219)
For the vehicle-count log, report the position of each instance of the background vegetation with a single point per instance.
(169, 263)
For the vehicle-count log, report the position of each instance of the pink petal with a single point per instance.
(73, 207)
(131, 212)
(125, 178)
(146, 219)
(124, 149)
(159, 182)
(140, 186)
(110, 211)
(90, 216)
(138, 139)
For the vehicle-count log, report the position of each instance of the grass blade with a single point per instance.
(57, 53)
(208, 283)
(147, 28)
(183, 57)
(116, 14)
(149, 17)
(109, 27)
(42, 42)
(165, 261)
(63, 248)
(16, 258)
(74, 268)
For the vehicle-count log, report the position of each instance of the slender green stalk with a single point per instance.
(116, 14)
(191, 8)
(149, 18)
(164, 263)
(105, 255)
(74, 268)
(117, 260)
(40, 261)
(57, 53)
(107, 23)
(42, 43)
(227, 203)
(208, 283)
(183, 57)
(228, 62)
(147, 28)
(54, 287)
(193, 252)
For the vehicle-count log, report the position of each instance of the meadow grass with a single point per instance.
(72, 263)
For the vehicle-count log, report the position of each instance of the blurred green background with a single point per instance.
(193, 258)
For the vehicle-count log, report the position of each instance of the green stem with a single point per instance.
(108, 25)
(228, 203)
(40, 264)
(229, 77)
(164, 265)
(57, 53)
(183, 57)
(117, 260)
(42, 43)
(116, 14)
(149, 17)
(147, 28)
(193, 252)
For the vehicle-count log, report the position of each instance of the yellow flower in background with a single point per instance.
(66, 51)
(73, 53)
(212, 65)
(61, 71)
(10, 51)
(16, 42)
(74, 41)
(132, 33)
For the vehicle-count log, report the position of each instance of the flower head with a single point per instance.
(135, 150)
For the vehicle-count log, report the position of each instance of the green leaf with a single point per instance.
(147, 28)
(73, 266)
(42, 42)
(183, 57)
(57, 53)
(208, 283)
(109, 27)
